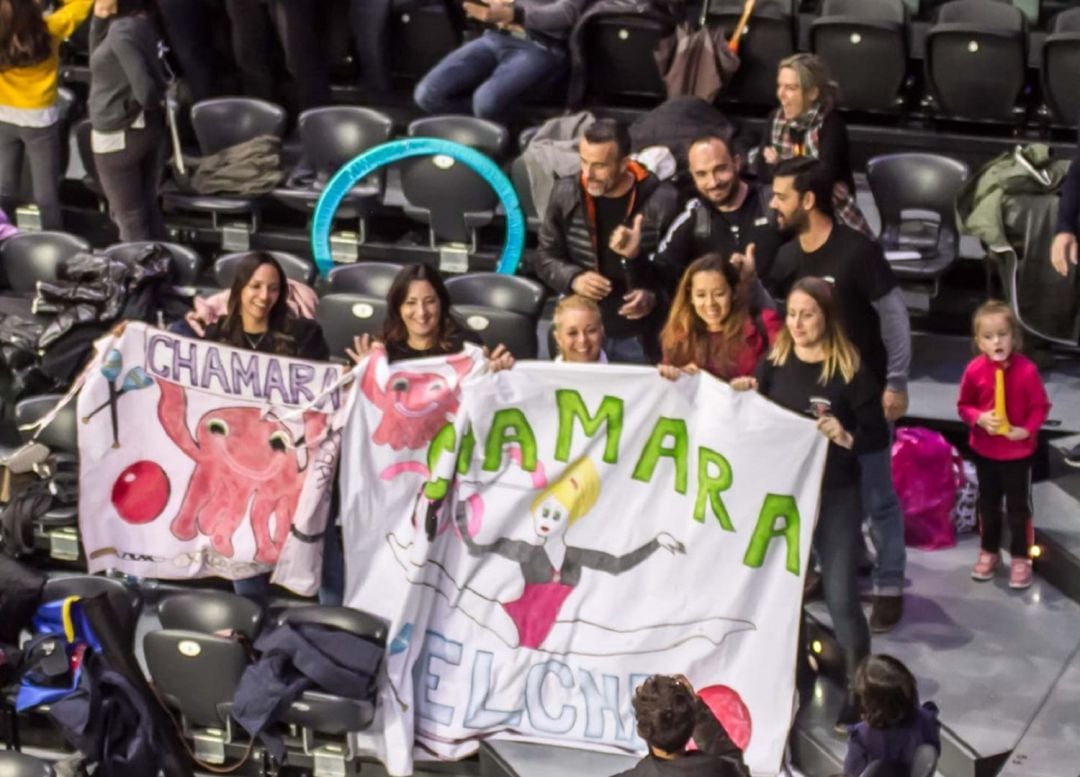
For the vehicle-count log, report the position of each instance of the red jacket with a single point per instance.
(1026, 405)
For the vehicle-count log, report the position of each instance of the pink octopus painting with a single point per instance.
(241, 459)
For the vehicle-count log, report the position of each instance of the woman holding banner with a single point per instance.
(419, 322)
(814, 369)
(258, 319)
(710, 326)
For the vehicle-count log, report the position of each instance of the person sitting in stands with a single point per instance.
(578, 331)
(668, 714)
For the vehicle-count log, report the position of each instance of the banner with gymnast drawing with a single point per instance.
(576, 529)
(199, 459)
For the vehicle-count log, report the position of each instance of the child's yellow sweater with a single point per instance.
(34, 87)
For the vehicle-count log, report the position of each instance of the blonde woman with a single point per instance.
(578, 330)
(814, 369)
(806, 125)
(526, 609)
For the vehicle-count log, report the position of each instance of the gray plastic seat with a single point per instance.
(296, 268)
(343, 316)
(372, 278)
(1061, 66)
(30, 257)
(210, 612)
(331, 137)
(15, 764)
(196, 673)
(770, 36)
(498, 290)
(976, 60)
(61, 437)
(187, 263)
(220, 123)
(446, 195)
(864, 43)
(620, 60)
(497, 327)
(907, 187)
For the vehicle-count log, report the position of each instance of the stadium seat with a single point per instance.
(331, 137)
(35, 256)
(220, 123)
(976, 60)
(501, 327)
(519, 176)
(1061, 67)
(620, 60)
(770, 36)
(296, 268)
(187, 263)
(318, 714)
(371, 278)
(13, 764)
(210, 612)
(864, 43)
(497, 290)
(449, 197)
(421, 34)
(343, 316)
(916, 197)
(126, 601)
(197, 674)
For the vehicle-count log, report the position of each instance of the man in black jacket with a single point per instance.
(594, 228)
(668, 713)
(727, 217)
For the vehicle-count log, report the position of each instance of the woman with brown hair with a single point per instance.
(815, 370)
(29, 114)
(710, 326)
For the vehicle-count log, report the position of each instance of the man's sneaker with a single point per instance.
(886, 613)
(986, 565)
(1072, 456)
(1020, 573)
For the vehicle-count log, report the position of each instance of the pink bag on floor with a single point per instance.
(925, 478)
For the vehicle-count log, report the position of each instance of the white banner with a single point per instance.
(576, 529)
(199, 459)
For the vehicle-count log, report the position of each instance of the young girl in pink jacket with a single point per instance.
(1003, 400)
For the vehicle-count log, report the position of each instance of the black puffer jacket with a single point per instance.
(566, 237)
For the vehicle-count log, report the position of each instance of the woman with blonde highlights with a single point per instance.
(710, 326)
(815, 370)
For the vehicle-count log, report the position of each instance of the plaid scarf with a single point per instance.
(800, 137)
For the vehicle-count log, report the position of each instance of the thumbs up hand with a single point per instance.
(626, 241)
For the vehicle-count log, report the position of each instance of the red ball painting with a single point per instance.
(731, 711)
(141, 492)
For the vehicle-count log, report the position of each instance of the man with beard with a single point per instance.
(876, 320)
(727, 217)
(595, 225)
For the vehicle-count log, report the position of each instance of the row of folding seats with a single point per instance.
(195, 662)
(975, 60)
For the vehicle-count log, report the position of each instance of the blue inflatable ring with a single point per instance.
(371, 160)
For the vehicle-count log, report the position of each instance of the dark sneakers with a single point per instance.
(886, 613)
(1072, 456)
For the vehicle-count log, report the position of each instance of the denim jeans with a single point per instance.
(42, 147)
(880, 502)
(836, 541)
(625, 350)
(487, 76)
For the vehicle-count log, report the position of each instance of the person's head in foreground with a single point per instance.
(801, 193)
(887, 692)
(665, 712)
(578, 329)
(418, 310)
(814, 332)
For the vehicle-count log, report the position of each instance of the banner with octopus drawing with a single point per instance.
(574, 530)
(199, 459)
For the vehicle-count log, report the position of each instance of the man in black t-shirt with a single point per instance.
(595, 225)
(876, 321)
(727, 217)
